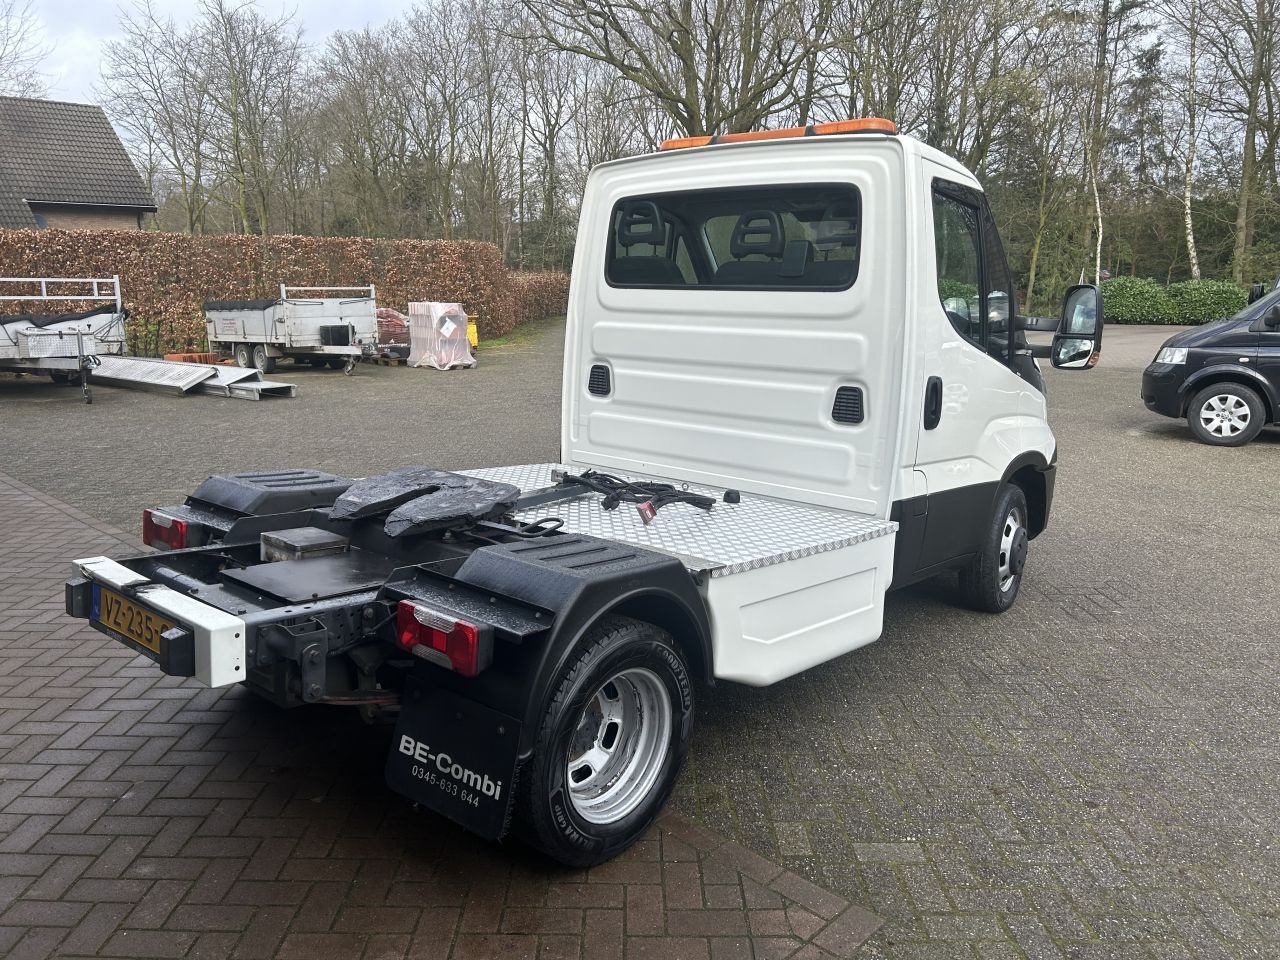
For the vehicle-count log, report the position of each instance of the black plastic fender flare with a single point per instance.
(619, 580)
(1230, 372)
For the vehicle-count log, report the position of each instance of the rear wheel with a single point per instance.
(336, 363)
(1226, 415)
(263, 360)
(243, 357)
(991, 580)
(610, 745)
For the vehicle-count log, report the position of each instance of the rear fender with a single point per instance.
(579, 580)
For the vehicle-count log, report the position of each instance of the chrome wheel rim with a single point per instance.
(1225, 415)
(1013, 523)
(619, 746)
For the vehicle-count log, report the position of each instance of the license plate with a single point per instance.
(128, 619)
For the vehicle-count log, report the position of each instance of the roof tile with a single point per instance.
(62, 153)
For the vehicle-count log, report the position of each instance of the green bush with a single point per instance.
(948, 288)
(1142, 300)
(1200, 301)
(1136, 300)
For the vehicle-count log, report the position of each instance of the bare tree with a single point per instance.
(713, 66)
(21, 50)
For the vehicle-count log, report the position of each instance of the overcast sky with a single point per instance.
(76, 29)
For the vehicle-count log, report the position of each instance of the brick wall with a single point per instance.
(87, 218)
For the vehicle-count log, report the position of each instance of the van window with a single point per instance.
(802, 237)
(957, 244)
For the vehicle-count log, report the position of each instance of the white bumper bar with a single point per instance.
(219, 636)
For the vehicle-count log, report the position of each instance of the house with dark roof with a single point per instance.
(63, 166)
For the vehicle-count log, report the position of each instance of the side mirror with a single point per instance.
(1078, 343)
(1271, 319)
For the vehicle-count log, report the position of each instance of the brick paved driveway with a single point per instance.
(1092, 775)
(142, 816)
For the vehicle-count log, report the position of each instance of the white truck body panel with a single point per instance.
(787, 585)
(733, 388)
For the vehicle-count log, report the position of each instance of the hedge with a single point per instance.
(166, 277)
(1139, 300)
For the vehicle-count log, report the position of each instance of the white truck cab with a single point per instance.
(795, 377)
(826, 319)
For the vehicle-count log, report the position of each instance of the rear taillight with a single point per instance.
(443, 639)
(162, 531)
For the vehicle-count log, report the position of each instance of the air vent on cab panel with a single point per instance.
(848, 405)
(599, 383)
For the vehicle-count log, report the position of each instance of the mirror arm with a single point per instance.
(1041, 351)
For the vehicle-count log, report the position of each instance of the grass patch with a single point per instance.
(522, 334)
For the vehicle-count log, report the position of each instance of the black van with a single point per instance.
(1224, 377)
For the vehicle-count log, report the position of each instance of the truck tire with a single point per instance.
(1226, 415)
(624, 702)
(336, 363)
(243, 357)
(263, 360)
(991, 580)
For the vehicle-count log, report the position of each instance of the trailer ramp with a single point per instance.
(244, 384)
(144, 373)
(176, 378)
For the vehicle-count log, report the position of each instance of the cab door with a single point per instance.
(975, 402)
(1269, 356)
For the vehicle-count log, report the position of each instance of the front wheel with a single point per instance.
(990, 583)
(610, 745)
(1226, 415)
(243, 357)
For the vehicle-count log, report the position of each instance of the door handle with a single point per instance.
(932, 403)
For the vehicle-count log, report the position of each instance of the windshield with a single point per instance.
(1256, 309)
(790, 237)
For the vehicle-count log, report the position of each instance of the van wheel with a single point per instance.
(610, 745)
(990, 583)
(263, 360)
(1226, 415)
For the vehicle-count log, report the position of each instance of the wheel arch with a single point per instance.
(1028, 472)
(689, 631)
(1229, 373)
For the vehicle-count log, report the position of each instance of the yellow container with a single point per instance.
(473, 332)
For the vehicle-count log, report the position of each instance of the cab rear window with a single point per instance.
(803, 237)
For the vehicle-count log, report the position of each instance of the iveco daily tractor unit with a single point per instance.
(794, 377)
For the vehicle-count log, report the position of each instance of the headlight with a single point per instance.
(1172, 355)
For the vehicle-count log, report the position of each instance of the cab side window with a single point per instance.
(957, 244)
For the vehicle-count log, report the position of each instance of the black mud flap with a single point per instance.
(455, 757)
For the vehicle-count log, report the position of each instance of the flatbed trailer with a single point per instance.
(795, 378)
(322, 326)
(39, 339)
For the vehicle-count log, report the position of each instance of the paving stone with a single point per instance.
(1091, 774)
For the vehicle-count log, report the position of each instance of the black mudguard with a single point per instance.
(458, 738)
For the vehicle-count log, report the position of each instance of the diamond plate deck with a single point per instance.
(731, 538)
